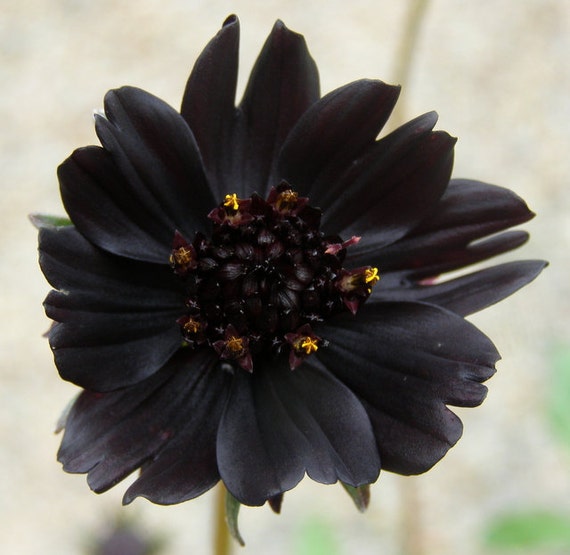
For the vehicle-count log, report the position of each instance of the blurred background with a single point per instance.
(497, 72)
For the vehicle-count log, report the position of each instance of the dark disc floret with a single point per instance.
(266, 274)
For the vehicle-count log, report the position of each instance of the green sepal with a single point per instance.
(45, 220)
(360, 495)
(232, 512)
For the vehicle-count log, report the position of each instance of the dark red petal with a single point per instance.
(467, 212)
(160, 183)
(396, 186)
(104, 208)
(470, 205)
(208, 105)
(117, 317)
(450, 259)
(280, 424)
(406, 362)
(108, 435)
(372, 159)
(186, 467)
(78, 268)
(332, 133)
(283, 84)
(106, 353)
(467, 294)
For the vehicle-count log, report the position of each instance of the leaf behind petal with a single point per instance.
(232, 513)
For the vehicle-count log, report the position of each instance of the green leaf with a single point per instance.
(559, 398)
(316, 537)
(232, 512)
(45, 220)
(532, 530)
(360, 495)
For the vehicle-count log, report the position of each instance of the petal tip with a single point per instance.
(280, 31)
(279, 27)
(129, 497)
(428, 120)
(232, 19)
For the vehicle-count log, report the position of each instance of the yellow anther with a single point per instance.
(287, 200)
(371, 276)
(231, 201)
(181, 256)
(235, 346)
(308, 344)
(192, 326)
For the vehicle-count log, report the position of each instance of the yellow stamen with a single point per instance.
(231, 201)
(192, 326)
(235, 346)
(371, 276)
(181, 256)
(308, 344)
(287, 200)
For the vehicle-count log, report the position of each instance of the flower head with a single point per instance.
(250, 294)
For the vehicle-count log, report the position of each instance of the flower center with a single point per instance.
(266, 274)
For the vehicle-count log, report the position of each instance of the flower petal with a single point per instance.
(451, 259)
(158, 182)
(468, 211)
(283, 84)
(280, 424)
(406, 362)
(108, 435)
(102, 206)
(186, 467)
(394, 186)
(332, 133)
(470, 206)
(208, 105)
(116, 317)
(467, 294)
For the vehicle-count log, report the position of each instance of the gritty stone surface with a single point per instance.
(497, 73)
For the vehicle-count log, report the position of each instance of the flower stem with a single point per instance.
(221, 540)
(411, 534)
(406, 52)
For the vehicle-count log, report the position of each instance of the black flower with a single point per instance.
(251, 294)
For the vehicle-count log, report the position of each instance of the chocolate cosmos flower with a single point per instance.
(251, 294)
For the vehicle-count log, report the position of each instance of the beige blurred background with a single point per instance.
(496, 71)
